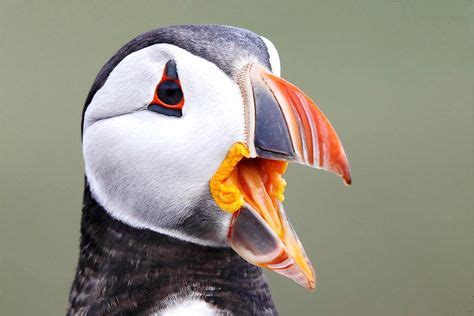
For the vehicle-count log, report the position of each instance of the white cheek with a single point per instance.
(133, 160)
(150, 170)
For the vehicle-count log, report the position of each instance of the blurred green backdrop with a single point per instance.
(394, 77)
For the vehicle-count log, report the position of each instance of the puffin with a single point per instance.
(187, 132)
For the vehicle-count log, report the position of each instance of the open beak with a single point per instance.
(283, 126)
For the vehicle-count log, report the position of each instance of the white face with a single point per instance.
(151, 170)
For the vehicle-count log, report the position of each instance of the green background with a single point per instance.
(394, 77)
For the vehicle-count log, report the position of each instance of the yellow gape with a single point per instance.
(256, 181)
(226, 194)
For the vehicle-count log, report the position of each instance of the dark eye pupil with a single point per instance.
(169, 92)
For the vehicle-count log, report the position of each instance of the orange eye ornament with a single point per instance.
(168, 97)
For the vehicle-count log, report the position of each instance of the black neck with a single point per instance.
(124, 270)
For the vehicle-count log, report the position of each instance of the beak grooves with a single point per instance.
(313, 139)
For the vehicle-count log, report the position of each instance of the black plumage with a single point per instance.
(128, 271)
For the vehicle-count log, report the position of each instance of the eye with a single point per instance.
(169, 92)
(168, 96)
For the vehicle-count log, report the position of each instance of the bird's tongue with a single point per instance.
(260, 231)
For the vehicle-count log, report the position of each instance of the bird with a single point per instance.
(187, 132)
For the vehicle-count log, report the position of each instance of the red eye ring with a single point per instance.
(168, 93)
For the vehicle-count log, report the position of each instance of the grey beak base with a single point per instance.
(272, 137)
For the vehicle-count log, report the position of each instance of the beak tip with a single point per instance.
(347, 179)
(343, 170)
(311, 286)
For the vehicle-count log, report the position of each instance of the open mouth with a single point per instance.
(252, 190)
(283, 125)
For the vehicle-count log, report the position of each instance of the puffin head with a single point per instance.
(188, 130)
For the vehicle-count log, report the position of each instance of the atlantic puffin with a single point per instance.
(187, 132)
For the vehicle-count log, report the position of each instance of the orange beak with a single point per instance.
(283, 125)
